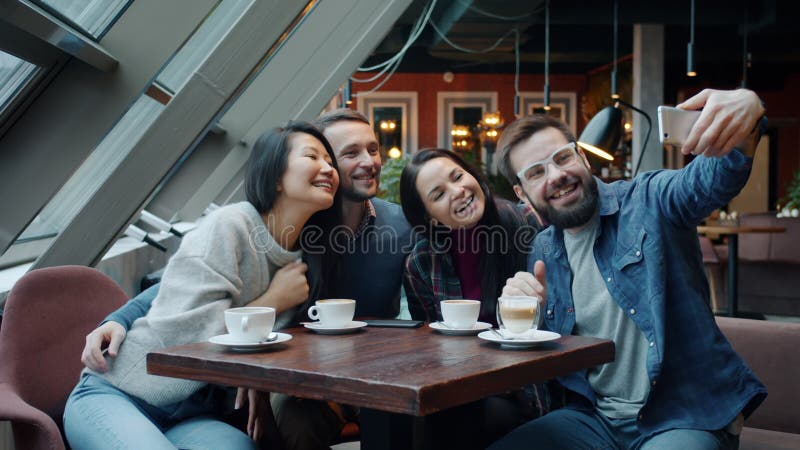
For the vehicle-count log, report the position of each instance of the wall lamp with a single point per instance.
(602, 134)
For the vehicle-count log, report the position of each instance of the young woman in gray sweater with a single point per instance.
(245, 254)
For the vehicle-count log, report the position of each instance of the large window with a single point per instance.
(275, 60)
(200, 45)
(93, 17)
(114, 147)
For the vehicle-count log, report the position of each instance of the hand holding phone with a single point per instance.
(675, 124)
(729, 119)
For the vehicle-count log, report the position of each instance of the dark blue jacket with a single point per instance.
(373, 273)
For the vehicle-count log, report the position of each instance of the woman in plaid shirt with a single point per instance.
(467, 245)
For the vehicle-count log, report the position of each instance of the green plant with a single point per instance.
(390, 179)
(792, 198)
(501, 187)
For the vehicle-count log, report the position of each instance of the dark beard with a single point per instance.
(574, 216)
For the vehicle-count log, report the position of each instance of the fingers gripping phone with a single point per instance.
(674, 124)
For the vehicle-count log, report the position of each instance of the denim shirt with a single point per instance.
(649, 256)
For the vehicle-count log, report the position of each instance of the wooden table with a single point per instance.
(732, 233)
(413, 372)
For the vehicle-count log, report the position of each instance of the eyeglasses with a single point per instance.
(563, 157)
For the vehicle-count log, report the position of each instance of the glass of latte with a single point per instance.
(517, 315)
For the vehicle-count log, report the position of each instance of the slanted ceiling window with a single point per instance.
(127, 132)
(92, 17)
(15, 74)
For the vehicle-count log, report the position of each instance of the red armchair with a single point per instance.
(46, 318)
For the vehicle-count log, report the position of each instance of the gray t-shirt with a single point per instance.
(622, 386)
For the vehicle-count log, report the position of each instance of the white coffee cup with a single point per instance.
(462, 314)
(519, 314)
(334, 312)
(250, 323)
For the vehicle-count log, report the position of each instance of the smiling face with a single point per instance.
(309, 177)
(357, 155)
(451, 195)
(565, 197)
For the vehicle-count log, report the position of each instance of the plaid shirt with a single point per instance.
(429, 278)
(649, 256)
(367, 220)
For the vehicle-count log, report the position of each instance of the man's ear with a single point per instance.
(521, 195)
(585, 159)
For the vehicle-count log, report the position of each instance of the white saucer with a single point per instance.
(351, 327)
(228, 341)
(529, 339)
(477, 328)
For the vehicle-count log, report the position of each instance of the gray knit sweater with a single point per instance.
(226, 262)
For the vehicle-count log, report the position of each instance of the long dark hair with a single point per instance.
(496, 265)
(265, 168)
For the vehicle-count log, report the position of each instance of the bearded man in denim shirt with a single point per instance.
(623, 262)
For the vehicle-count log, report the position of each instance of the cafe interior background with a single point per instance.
(122, 122)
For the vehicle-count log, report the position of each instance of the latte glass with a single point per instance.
(517, 315)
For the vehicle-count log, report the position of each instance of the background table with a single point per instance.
(408, 371)
(732, 233)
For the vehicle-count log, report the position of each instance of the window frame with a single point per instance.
(407, 101)
(446, 103)
(53, 10)
(565, 100)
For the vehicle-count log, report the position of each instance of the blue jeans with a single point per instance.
(572, 429)
(100, 416)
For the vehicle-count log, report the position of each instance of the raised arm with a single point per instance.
(724, 138)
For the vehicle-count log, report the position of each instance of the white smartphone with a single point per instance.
(675, 124)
